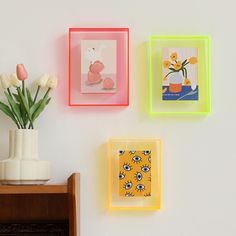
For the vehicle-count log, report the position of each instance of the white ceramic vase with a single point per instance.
(23, 166)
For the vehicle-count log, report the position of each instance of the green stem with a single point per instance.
(23, 87)
(28, 114)
(36, 95)
(30, 126)
(16, 122)
(19, 125)
(45, 95)
(9, 91)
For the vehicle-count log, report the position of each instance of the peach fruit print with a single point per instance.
(98, 66)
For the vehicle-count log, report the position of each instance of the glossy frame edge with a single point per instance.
(205, 37)
(156, 207)
(71, 30)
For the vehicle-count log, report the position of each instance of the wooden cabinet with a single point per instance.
(26, 207)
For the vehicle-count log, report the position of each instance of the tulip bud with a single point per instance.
(14, 81)
(21, 72)
(52, 82)
(42, 82)
(5, 81)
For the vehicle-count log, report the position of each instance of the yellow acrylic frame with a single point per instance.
(161, 107)
(152, 202)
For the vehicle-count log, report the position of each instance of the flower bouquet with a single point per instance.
(23, 108)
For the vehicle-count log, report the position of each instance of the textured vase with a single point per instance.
(23, 165)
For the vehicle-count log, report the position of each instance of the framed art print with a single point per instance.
(179, 74)
(98, 66)
(135, 174)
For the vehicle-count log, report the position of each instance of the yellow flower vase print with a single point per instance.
(180, 74)
(135, 173)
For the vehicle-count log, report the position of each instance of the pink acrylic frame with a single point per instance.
(121, 97)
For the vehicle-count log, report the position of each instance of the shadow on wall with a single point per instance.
(102, 177)
(143, 78)
(61, 55)
(61, 62)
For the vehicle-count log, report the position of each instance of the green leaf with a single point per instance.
(7, 111)
(23, 101)
(22, 110)
(14, 106)
(49, 99)
(35, 106)
(25, 106)
(24, 115)
(30, 100)
(16, 96)
(172, 69)
(43, 104)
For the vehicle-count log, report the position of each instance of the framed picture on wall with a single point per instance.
(98, 66)
(135, 174)
(179, 74)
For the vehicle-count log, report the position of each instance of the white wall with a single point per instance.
(199, 153)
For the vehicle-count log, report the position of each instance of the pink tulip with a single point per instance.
(21, 72)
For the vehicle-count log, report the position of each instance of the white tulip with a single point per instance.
(14, 81)
(52, 82)
(42, 82)
(5, 81)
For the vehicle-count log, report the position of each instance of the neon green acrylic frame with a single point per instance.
(159, 106)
